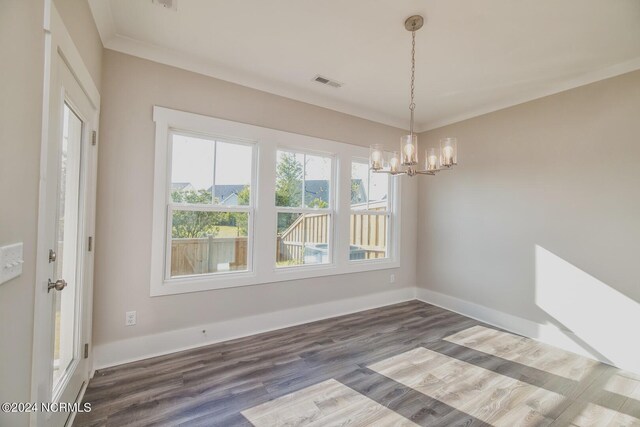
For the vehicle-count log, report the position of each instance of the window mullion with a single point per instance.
(304, 179)
(213, 179)
(368, 188)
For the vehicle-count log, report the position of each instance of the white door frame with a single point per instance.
(58, 43)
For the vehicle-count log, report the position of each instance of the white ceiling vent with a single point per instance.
(167, 4)
(326, 81)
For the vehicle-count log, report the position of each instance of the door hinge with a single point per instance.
(94, 138)
(86, 350)
(90, 245)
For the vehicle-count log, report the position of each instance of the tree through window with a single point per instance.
(304, 208)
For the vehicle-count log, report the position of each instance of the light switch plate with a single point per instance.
(10, 262)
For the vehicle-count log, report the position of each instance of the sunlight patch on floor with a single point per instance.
(596, 415)
(327, 403)
(486, 395)
(626, 384)
(489, 396)
(524, 351)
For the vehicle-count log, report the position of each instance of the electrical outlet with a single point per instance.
(130, 318)
(392, 278)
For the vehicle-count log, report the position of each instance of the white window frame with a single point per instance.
(172, 206)
(331, 210)
(263, 216)
(388, 212)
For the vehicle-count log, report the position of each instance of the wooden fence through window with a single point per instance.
(306, 237)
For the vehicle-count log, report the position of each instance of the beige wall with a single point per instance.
(78, 19)
(132, 86)
(541, 219)
(20, 125)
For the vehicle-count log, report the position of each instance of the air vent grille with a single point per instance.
(167, 4)
(326, 81)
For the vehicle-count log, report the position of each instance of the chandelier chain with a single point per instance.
(412, 106)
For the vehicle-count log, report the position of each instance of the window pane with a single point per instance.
(317, 181)
(233, 174)
(208, 242)
(302, 239)
(379, 191)
(368, 236)
(289, 175)
(368, 190)
(359, 185)
(192, 169)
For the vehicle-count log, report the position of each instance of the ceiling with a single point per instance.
(473, 57)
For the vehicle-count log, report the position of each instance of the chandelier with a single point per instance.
(407, 163)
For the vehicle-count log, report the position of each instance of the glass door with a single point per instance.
(62, 356)
(65, 254)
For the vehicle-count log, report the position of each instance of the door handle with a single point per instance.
(58, 285)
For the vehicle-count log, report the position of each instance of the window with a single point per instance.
(370, 213)
(304, 208)
(210, 206)
(239, 205)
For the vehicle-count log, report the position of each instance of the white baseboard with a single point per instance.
(138, 348)
(546, 333)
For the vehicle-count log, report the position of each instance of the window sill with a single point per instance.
(234, 280)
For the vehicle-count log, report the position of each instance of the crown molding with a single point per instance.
(582, 80)
(103, 17)
(101, 10)
(212, 69)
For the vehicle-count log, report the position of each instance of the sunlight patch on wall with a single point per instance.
(603, 320)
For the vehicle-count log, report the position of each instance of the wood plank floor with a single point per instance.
(405, 364)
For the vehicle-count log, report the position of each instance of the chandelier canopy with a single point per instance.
(408, 163)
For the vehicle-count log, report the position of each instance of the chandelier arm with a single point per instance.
(389, 172)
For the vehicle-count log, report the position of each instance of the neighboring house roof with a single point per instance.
(222, 192)
(181, 186)
(230, 200)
